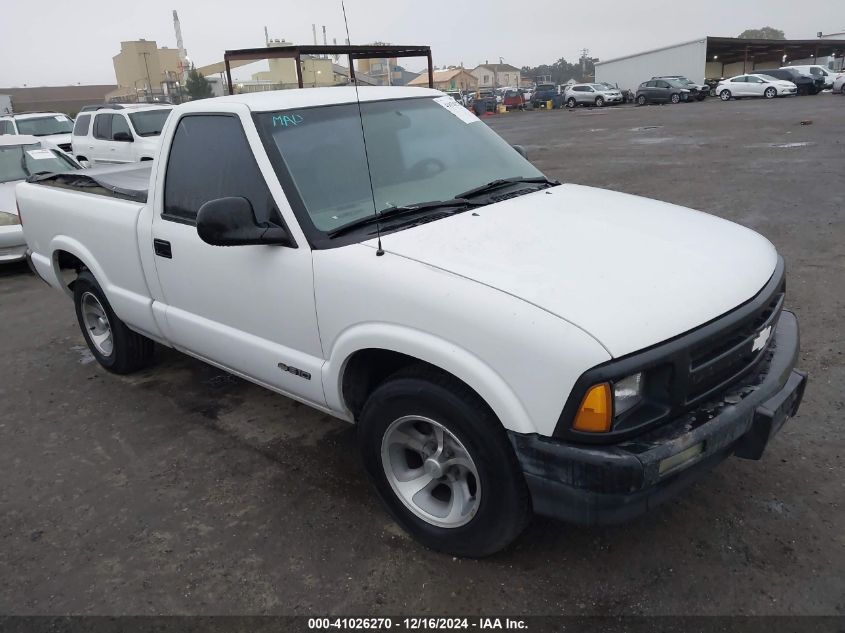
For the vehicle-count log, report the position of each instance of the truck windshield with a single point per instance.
(420, 150)
(149, 122)
(46, 125)
(19, 162)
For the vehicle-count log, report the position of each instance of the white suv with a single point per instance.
(815, 71)
(54, 127)
(119, 134)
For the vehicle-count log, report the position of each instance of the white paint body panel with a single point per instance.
(686, 59)
(629, 270)
(517, 301)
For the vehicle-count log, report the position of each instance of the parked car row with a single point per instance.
(23, 156)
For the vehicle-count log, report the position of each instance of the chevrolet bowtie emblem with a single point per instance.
(761, 339)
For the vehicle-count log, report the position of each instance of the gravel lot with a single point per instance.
(185, 490)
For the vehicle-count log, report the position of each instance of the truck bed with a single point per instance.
(125, 182)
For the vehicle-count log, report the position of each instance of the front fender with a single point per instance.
(446, 355)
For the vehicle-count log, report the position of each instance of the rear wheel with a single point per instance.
(641, 100)
(725, 95)
(770, 93)
(442, 464)
(115, 346)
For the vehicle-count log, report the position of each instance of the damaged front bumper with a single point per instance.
(609, 484)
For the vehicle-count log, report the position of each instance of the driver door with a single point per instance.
(249, 309)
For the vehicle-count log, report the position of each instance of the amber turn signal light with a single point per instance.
(596, 411)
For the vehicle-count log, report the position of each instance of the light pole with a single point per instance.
(149, 81)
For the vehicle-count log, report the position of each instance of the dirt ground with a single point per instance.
(183, 490)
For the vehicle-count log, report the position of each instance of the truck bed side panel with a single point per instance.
(102, 233)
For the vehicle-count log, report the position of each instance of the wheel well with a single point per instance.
(366, 369)
(65, 263)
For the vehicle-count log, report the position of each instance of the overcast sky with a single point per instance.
(55, 42)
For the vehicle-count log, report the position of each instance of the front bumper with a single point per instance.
(12, 243)
(592, 485)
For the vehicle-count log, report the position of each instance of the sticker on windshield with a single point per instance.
(61, 118)
(39, 154)
(457, 109)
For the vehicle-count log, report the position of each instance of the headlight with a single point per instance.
(605, 402)
(8, 219)
(627, 393)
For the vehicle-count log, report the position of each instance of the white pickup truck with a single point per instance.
(504, 343)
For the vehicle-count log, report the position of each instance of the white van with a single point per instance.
(119, 133)
(815, 70)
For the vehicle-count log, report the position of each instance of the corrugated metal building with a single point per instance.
(67, 99)
(713, 58)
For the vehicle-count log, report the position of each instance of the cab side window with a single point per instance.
(82, 124)
(210, 158)
(119, 125)
(102, 127)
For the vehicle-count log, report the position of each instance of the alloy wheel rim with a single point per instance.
(430, 471)
(97, 324)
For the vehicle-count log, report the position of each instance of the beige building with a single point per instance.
(497, 75)
(143, 70)
(452, 79)
(382, 70)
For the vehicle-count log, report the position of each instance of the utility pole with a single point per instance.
(584, 54)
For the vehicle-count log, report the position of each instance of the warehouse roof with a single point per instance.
(734, 49)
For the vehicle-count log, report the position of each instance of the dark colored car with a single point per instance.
(699, 92)
(544, 93)
(662, 91)
(806, 84)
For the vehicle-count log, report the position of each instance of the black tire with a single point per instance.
(770, 93)
(599, 102)
(505, 509)
(675, 98)
(725, 95)
(130, 350)
(641, 100)
(571, 103)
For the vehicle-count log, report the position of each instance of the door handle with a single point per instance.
(162, 249)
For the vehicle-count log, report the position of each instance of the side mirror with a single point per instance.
(521, 150)
(126, 137)
(231, 222)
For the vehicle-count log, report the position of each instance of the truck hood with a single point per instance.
(630, 271)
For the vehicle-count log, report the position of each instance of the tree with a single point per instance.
(197, 85)
(562, 71)
(766, 33)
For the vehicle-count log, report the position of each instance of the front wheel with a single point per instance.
(113, 344)
(442, 464)
(675, 98)
(770, 93)
(599, 102)
(571, 103)
(725, 95)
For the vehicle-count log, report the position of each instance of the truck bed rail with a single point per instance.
(124, 182)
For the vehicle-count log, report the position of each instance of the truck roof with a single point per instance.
(309, 97)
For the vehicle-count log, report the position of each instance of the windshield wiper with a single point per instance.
(394, 212)
(493, 185)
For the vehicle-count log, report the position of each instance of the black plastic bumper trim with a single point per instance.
(608, 484)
